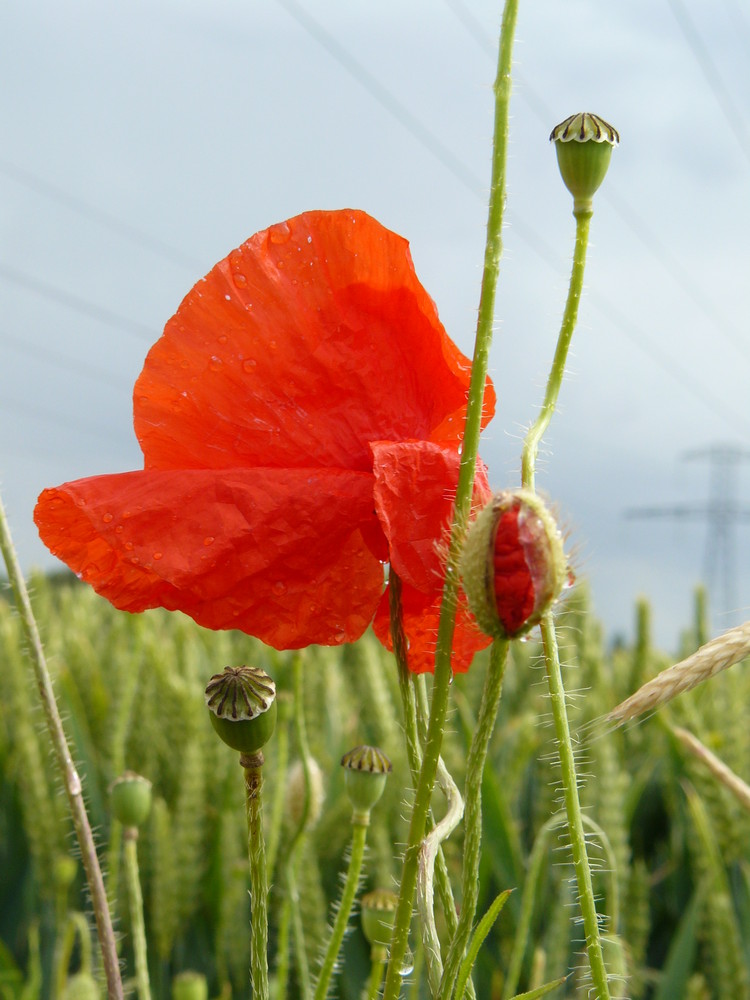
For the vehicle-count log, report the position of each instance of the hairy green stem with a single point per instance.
(573, 808)
(488, 707)
(70, 776)
(557, 371)
(470, 448)
(377, 967)
(343, 912)
(252, 765)
(135, 899)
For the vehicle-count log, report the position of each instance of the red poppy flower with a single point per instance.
(300, 420)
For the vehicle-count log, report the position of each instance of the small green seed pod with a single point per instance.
(366, 771)
(513, 566)
(584, 144)
(81, 986)
(189, 986)
(130, 796)
(378, 914)
(242, 707)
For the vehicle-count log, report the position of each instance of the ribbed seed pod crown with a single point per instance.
(584, 144)
(378, 913)
(366, 769)
(242, 707)
(513, 565)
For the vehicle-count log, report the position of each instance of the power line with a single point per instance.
(74, 302)
(702, 54)
(434, 145)
(105, 219)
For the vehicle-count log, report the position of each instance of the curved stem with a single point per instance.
(135, 898)
(354, 870)
(557, 371)
(252, 765)
(488, 707)
(71, 779)
(573, 809)
(470, 448)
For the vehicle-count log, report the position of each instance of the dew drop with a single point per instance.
(129, 546)
(215, 364)
(208, 540)
(223, 338)
(240, 280)
(272, 345)
(228, 297)
(118, 529)
(184, 363)
(248, 364)
(279, 588)
(107, 518)
(309, 239)
(407, 965)
(279, 234)
(158, 555)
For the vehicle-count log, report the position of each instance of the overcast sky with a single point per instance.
(143, 141)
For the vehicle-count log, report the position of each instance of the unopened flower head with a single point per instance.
(513, 566)
(584, 144)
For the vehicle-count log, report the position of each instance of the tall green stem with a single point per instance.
(252, 765)
(570, 316)
(71, 778)
(549, 638)
(573, 809)
(135, 898)
(490, 702)
(472, 430)
(356, 857)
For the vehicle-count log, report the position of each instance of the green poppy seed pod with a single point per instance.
(378, 914)
(584, 144)
(512, 566)
(364, 777)
(189, 986)
(130, 796)
(295, 793)
(81, 986)
(65, 871)
(242, 706)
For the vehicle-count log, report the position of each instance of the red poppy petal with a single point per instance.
(303, 345)
(415, 492)
(421, 615)
(278, 555)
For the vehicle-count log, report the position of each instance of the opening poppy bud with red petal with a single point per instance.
(513, 566)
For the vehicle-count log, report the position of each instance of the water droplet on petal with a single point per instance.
(223, 338)
(280, 233)
(129, 546)
(208, 540)
(118, 529)
(240, 280)
(215, 364)
(158, 555)
(107, 518)
(248, 364)
(279, 588)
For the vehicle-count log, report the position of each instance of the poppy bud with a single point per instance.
(81, 986)
(189, 985)
(378, 914)
(513, 565)
(130, 796)
(584, 144)
(366, 771)
(242, 706)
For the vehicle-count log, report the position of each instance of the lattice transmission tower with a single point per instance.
(723, 513)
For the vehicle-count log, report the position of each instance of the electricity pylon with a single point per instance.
(722, 511)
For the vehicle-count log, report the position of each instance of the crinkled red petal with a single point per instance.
(415, 493)
(312, 339)
(279, 555)
(513, 583)
(421, 615)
